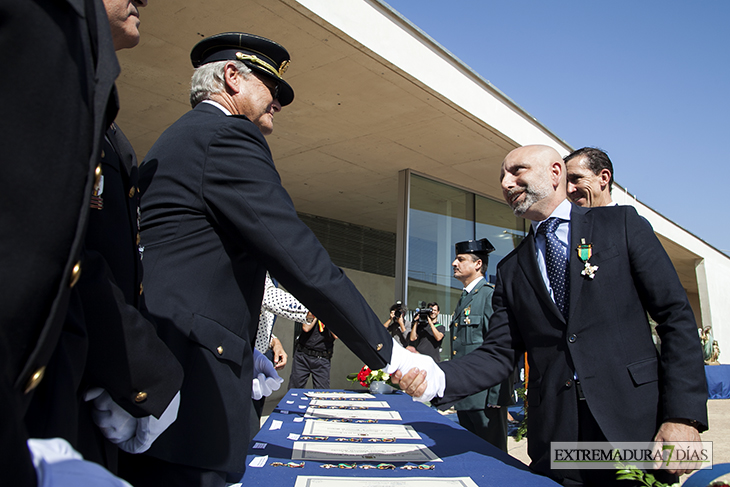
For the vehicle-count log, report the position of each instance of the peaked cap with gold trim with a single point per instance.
(258, 53)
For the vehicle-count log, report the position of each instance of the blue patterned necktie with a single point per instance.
(556, 262)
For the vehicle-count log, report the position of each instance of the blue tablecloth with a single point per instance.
(718, 381)
(463, 453)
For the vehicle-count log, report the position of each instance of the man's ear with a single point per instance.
(605, 177)
(557, 173)
(232, 79)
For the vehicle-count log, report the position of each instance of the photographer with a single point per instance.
(427, 333)
(396, 325)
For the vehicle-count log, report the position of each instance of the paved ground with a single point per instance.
(718, 434)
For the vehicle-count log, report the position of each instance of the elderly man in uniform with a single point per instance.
(573, 296)
(215, 218)
(590, 177)
(481, 413)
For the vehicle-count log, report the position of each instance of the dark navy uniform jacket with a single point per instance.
(215, 218)
(51, 130)
(107, 341)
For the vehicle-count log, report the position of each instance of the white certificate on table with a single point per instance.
(359, 430)
(352, 414)
(311, 481)
(362, 452)
(339, 395)
(324, 403)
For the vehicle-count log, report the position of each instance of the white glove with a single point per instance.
(115, 423)
(131, 434)
(149, 428)
(266, 380)
(57, 464)
(403, 360)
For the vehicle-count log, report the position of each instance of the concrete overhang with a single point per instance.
(374, 95)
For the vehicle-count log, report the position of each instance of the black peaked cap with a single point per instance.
(481, 246)
(258, 53)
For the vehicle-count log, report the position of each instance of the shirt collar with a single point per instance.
(218, 105)
(473, 284)
(562, 212)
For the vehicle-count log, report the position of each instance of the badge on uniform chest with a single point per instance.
(467, 320)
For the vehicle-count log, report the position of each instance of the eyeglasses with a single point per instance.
(274, 91)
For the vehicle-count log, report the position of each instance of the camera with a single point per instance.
(422, 312)
(398, 309)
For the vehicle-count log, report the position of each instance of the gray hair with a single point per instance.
(208, 80)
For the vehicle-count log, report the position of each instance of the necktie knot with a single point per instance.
(556, 263)
(549, 226)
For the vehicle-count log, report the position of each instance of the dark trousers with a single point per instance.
(589, 430)
(490, 424)
(146, 471)
(303, 365)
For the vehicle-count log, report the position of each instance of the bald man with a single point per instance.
(573, 296)
(589, 177)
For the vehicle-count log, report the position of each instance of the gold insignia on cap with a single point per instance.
(35, 379)
(140, 397)
(284, 66)
(75, 274)
(379, 347)
(261, 63)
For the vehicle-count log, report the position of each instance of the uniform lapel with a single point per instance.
(468, 299)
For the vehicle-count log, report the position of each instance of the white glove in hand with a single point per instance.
(266, 380)
(57, 464)
(403, 360)
(149, 428)
(131, 434)
(115, 423)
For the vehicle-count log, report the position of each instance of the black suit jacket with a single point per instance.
(606, 339)
(215, 218)
(51, 131)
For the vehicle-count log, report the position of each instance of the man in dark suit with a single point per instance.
(215, 218)
(51, 130)
(481, 413)
(590, 177)
(595, 374)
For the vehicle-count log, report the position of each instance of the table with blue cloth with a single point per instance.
(718, 381)
(463, 453)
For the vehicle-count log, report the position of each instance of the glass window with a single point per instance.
(439, 216)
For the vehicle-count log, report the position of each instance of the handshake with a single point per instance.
(411, 371)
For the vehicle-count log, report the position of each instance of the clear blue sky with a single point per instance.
(648, 81)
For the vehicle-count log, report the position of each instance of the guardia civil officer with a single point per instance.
(483, 413)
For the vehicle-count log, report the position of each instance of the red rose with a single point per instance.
(363, 374)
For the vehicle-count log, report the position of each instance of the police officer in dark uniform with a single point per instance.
(107, 343)
(215, 218)
(483, 413)
(51, 130)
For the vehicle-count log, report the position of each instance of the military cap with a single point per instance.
(481, 246)
(258, 53)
